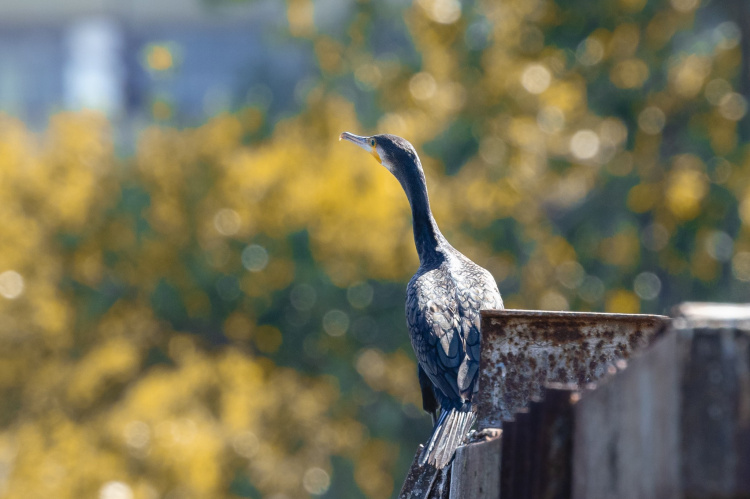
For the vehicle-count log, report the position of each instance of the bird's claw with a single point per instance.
(483, 435)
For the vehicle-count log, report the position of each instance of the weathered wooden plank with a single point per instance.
(714, 315)
(508, 461)
(442, 487)
(552, 469)
(709, 416)
(523, 455)
(476, 471)
(425, 482)
(676, 422)
(537, 448)
(715, 404)
(742, 436)
(626, 431)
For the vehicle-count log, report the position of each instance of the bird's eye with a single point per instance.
(372, 142)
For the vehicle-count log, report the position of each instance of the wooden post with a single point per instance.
(676, 422)
(715, 400)
(425, 482)
(476, 470)
(508, 461)
(552, 471)
(646, 414)
(626, 431)
(537, 452)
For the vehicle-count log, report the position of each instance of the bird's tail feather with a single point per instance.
(452, 426)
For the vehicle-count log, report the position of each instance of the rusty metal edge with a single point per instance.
(535, 314)
(658, 324)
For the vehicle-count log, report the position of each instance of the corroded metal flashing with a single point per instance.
(522, 350)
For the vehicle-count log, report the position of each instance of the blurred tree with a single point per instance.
(221, 315)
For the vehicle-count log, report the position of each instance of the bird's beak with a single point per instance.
(363, 142)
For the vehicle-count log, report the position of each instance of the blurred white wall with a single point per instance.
(93, 72)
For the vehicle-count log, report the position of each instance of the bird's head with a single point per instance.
(391, 151)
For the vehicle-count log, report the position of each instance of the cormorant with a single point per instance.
(443, 301)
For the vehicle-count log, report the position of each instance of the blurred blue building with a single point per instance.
(136, 60)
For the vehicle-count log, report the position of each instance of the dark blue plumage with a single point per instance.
(443, 301)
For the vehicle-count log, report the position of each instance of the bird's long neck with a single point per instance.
(427, 236)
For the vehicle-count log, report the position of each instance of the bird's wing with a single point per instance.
(476, 291)
(434, 327)
(443, 315)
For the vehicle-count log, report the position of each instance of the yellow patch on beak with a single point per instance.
(375, 155)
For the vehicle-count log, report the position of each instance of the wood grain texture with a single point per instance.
(476, 470)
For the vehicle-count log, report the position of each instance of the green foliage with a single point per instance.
(221, 315)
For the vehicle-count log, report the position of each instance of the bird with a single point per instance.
(443, 303)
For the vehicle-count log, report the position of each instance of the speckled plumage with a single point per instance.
(443, 301)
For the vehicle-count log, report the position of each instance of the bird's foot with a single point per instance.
(483, 435)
